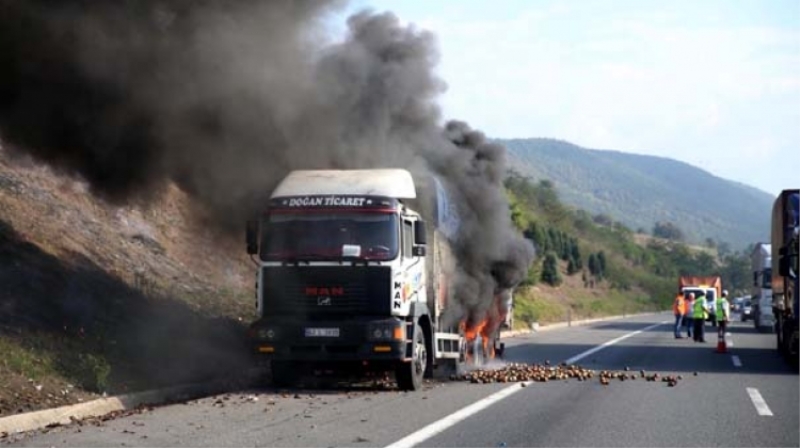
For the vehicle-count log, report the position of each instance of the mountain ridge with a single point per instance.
(639, 190)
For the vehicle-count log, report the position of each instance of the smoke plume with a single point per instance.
(225, 97)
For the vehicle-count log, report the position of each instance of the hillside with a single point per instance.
(91, 293)
(589, 269)
(640, 190)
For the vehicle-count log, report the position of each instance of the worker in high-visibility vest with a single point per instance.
(678, 310)
(723, 309)
(688, 315)
(700, 314)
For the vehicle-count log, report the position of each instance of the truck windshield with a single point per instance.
(766, 279)
(322, 236)
(710, 294)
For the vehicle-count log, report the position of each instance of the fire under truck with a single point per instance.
(353, 280)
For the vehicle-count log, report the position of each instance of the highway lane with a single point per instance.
(711, 409)
(633, 413)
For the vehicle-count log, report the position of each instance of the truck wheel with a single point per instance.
(409, 374)
(283, 374)
(430, 353)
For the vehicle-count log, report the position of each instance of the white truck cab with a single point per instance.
(349, 276)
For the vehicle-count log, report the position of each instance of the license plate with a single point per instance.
(322, 332)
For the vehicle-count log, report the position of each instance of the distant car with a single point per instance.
(747, 310)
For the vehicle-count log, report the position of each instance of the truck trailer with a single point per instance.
(785, 272)
(761, 291)
(352, 278)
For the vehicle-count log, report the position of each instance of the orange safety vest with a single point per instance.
(678, 306)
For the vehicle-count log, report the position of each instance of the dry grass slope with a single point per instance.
(96, 297)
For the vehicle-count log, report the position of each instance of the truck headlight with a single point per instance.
(266, 334)
(386, 331)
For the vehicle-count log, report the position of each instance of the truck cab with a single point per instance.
(343, 281)
(761, 262)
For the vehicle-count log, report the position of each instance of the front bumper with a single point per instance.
(290, 340)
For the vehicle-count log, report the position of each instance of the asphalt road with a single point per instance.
(721, 406)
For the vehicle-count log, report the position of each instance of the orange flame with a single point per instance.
(486, 328)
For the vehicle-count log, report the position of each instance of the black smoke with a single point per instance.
(225, 97)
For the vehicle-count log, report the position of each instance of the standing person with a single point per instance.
(678, 308)
(723, 309)
(688, 315)
(699, 317)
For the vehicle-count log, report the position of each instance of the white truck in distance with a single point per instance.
(352, 279)
(761, 298)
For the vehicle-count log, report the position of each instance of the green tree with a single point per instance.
(575, 252)
(603, 219)
(735, 271)
(723, 248)
(601, 263)
(566, 246)
(593, 266)
(667, 230)
(550, 274)
(571, 266)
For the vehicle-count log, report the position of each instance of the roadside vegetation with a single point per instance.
(590, 266)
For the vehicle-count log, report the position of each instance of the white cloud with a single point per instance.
(694, 85)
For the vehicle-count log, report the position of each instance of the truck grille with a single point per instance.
(326, 291)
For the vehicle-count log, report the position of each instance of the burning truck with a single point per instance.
(356, 272)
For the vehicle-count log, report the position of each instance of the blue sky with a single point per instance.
(712, 83)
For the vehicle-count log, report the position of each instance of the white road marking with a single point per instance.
(736, 361)
(580, 356)
(440, 425)
(758, 401)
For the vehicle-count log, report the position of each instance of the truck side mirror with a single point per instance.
(420, 237)
(252, 237)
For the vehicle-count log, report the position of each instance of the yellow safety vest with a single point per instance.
(721, 309)
(700, 308)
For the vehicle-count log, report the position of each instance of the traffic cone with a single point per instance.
(722, 346)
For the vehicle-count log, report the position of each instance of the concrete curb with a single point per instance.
(574, 323)
(63, 415)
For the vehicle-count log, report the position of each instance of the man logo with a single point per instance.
(324, 301)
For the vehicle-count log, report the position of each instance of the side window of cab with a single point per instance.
(408, 239)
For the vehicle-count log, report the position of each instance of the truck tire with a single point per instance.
(409, 375)
(283, 373)
(429, 351)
